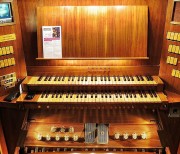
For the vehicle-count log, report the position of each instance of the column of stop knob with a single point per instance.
(57, 137)
(126, 136)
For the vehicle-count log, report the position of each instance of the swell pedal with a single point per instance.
(90, 132)
(102, 134)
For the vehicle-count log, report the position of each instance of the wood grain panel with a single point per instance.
(176, 12)
(170, 126)
(28, 17)
(3, 147)
(91, 32)
(92, 70)
(11, 123)
(166, 69)
(85, 114)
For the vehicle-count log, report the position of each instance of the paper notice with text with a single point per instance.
(52, 42)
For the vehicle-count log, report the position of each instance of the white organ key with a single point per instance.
(66, 80)
(33, 80)
(138, 97)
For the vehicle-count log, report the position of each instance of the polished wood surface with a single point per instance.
(11, 120)
(176, 13)
(166, 69)
(93, 113)
(92, 70)
(3, 147)
(90, 31)
(28, 17)
(171, 133)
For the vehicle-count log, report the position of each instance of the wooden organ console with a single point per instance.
(115, 90)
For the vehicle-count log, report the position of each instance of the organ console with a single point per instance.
(111, 92)
(108, 104)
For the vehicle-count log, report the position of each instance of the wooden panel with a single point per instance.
(93, 113)
(93, 70)
(176, 13)
(166, 69)
(3, 148)
(28, 17)
(91, 32)
(170, 126)
(11, 123)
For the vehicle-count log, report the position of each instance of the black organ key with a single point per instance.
(105, 78)
(128, 78)
(109, 79)
(43, 94)
(91, 78)
(124, 78)
(154, 93)
(47, 94)
(73, 78)
(55, 79)
(50, 78)
(101, 78)
(130, 94)
(119, 79)
(79, 78)
(95, 78)
(56, 94)
(81, 95)
(134, 94)
(52, 96)
(82, 78)
(140, 93)
(59, 78)
(63, 78)
(150, 78)
(150, 93)
(67, 95)
(137, 77)
(144, 94)
(147, 78)
(86, 78)
(142, 79)
(131, 78)
(40, 78)
(91, 94)
(120, 94)
(46, 78)
(69, 78)
(114, 78)
(95, 95)
(126, 94)
(60, 95)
